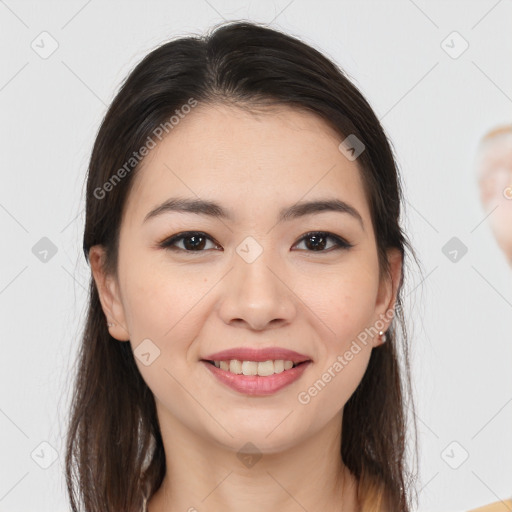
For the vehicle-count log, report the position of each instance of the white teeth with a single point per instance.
(263, 368)
(279, 366)
(250, 367)
(235, 366)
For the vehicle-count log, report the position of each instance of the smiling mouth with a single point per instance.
(255, 368)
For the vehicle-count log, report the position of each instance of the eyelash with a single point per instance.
(339, 242)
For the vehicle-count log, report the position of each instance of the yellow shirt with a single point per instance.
(498, 506)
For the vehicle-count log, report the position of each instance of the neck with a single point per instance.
(207, 476)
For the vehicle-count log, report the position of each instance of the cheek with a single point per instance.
(343, 299)
(500, 222)
(493, 185)
(160, 299)
(343, 302)
(163, 307)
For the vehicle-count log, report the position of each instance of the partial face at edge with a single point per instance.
(191, 304)
(494, 169)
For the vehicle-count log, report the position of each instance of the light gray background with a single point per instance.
(433, 107)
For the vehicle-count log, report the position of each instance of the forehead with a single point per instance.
(249, 159)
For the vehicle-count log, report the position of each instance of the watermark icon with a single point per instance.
(304, 397)
(44, 455)
(352, 147)
(137, 156)
(454, 249)
(455, 455)
(454, 45)
(44, 250)
(249, 249)
(44, 45)
(249, 455)
(146, 352)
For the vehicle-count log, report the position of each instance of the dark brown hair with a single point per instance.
(114, 450)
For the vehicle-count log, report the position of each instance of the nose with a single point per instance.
(258, 294)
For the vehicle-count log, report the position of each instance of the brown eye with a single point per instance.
(318, 240)
(193, 241)
(196, 241)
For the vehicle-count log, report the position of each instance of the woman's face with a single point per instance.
(251, 279)
(494, 167)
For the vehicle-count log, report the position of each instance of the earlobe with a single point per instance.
(108, 291)
(388, 289)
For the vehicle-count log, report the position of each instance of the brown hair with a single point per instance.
(114, 451)
(499, 130)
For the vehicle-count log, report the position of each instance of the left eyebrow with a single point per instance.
(326, 205)
(215, 210)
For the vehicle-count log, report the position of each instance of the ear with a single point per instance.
(108, 290)
(388, 288)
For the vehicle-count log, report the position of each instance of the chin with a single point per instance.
(247, 442)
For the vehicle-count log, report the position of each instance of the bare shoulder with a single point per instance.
(498, 506)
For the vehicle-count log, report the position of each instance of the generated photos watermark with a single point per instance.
(159, 133)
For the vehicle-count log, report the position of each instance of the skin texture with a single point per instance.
(494, 168)
(191, 305)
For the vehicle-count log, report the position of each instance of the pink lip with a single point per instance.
(254, 384)
(262, 354)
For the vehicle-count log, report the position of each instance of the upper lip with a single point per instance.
(258, 354)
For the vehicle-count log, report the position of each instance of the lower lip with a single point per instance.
(255, 384)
